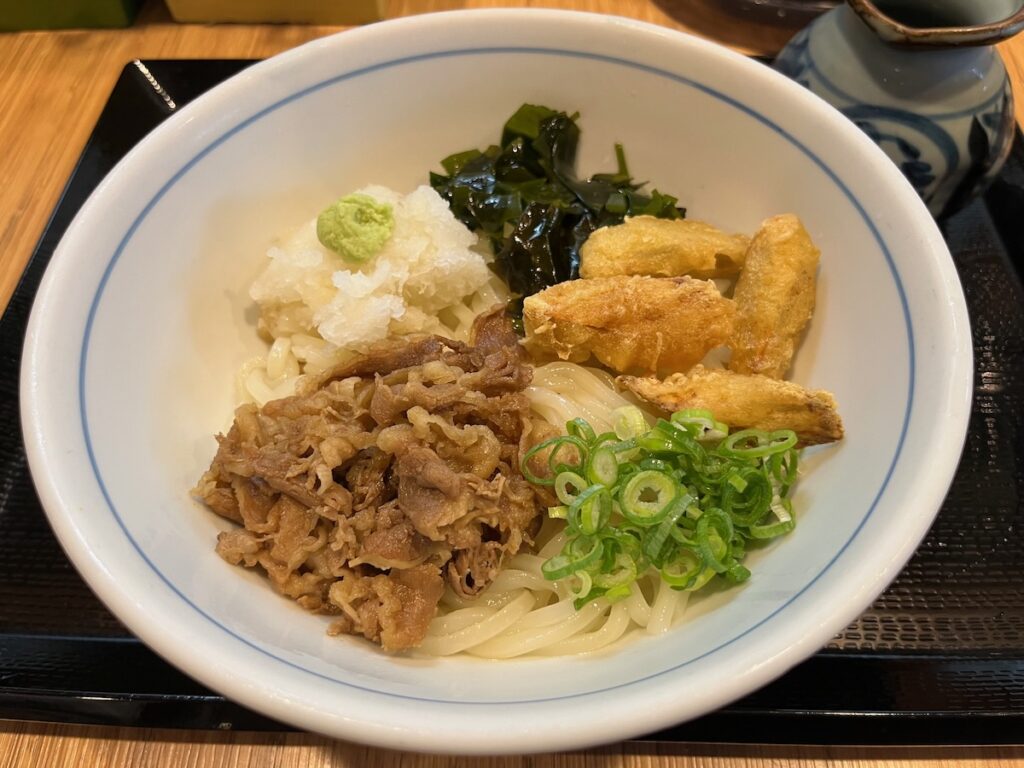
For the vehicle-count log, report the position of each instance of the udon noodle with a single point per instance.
(521, 612)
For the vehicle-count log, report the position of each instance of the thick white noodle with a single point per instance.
(490, 599)
(587, 642)
(553, 627)
(547, 616)
(639, 608)
(562, 391)
(281, 362)
(682, 600)
(529, 640)
(553, 547)
(513, 578)
(460, 619)
(663, 609)
(479, 634)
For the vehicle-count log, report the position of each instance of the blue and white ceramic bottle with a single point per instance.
(922, 78)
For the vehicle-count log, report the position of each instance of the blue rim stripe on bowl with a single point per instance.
(482, 52)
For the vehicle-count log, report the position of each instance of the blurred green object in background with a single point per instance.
(65, 14)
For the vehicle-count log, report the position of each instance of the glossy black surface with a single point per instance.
(938, 658)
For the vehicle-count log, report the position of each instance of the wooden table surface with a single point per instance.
(52, 88)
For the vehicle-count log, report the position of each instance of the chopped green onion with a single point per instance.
(654, 544)
(581, 588)
(570, 442)
(646, 497)
(628, 422)
(737, 573)
(714, 532)
(680, 500)
(658, 465)
(568, 486)
(617, 593)
(749, 505)
(603, 467)
(684, 569)
(581, 429)
(656, 443)
(773, 530)
(555, 445)
(591, 510)
(756, 444)
(561, 512)
(701, 424)
(623, 571)
(575, 557)
(623, 446)
(783, 510)
(737, 482)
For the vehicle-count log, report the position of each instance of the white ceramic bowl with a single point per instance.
(142, 321)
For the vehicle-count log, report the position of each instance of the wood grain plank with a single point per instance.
(1012, 52)
(25, 745)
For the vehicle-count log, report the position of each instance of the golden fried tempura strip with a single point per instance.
(645, 245)
(646, 324)
(745, 401)
(774, 297)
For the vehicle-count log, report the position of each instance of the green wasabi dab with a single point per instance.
(356, 227)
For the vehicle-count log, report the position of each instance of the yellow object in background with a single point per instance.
(65, 14)
(278, 11)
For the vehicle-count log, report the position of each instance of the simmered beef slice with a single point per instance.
(393, 609)
(398, 473)
(367, 479)
(430, 493)
(387, 357)
(493, 332)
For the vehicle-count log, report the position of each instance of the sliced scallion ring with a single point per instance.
(603, 467)
(647, 496)
(580, 428)
(756, 443)
(628, 422)
(575, 557)
(568, 486)
(682, 571)
(701, 424)
(590, 513)
(559, 512)
(622, 572)
(654, 543)
(714, 532)
(555, 445)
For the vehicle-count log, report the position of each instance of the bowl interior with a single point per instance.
(166, 255)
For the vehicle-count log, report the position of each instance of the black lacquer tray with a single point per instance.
(938, 658)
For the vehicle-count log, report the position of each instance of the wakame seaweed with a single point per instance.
(525, 197)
